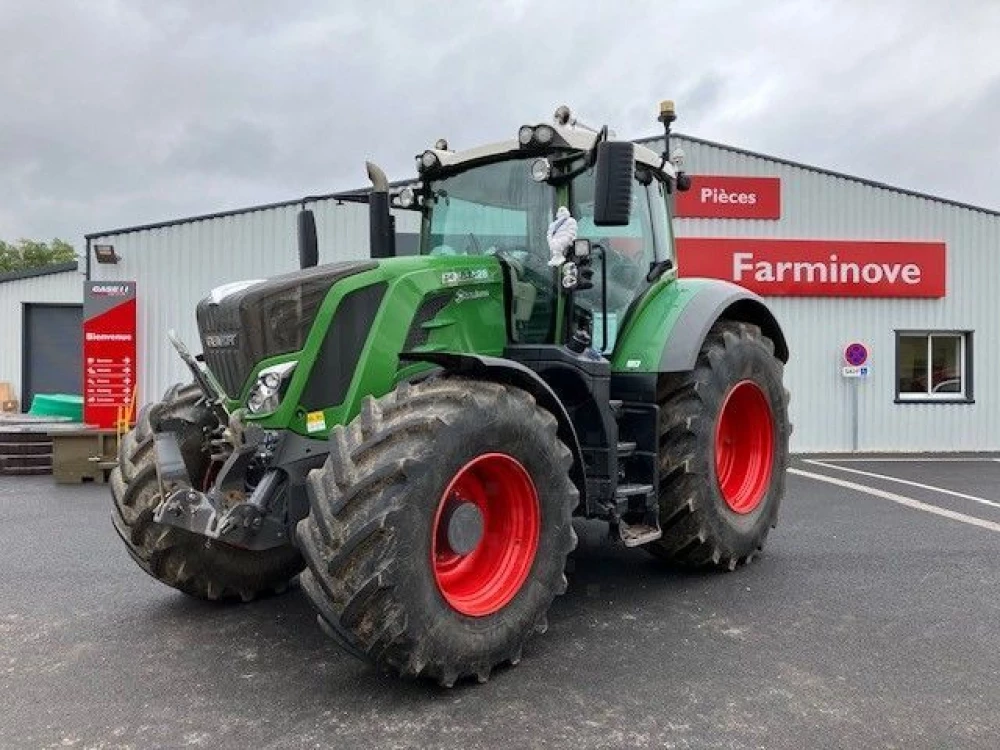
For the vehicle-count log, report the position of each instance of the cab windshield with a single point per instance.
(498, 209)
(493, 208)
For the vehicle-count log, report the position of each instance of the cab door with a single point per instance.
(623, 256)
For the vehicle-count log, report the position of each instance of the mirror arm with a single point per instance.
(658, 268)
(598, 248)
(592, 154)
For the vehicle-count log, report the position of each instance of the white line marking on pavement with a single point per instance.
(908, 502)
(908, 460)
(886, 477)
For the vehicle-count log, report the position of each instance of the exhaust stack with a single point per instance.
(382, 223)
(308, 244)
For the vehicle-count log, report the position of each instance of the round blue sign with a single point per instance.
(856, 354)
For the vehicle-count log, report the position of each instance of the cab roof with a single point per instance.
(567, 136)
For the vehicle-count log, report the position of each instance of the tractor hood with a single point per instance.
(242, 323)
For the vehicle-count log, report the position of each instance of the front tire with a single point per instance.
(724, 434)
(396, 574)
(178, 558)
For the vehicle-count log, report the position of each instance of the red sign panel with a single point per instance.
(719, 197)
(818, 268)
(109, 350)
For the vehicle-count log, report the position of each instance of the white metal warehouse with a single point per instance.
(40, 337)
(932, 352)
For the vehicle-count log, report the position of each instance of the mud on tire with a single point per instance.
(176, 557)
(375, 508)
(707, 521)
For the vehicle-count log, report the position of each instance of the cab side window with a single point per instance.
(662, 229)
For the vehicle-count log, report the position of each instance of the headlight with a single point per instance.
(266, 394)
(525, 134)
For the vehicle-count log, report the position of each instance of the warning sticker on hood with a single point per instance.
(315, 421)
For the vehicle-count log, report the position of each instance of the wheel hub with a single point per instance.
(465, 528)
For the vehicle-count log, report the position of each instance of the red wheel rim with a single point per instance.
(486, 578)
(744, 447)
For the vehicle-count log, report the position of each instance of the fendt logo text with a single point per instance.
(220, 340)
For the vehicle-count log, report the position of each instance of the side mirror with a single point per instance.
(613, 183)
(308, 244)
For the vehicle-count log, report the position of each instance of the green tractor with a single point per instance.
(413, 435)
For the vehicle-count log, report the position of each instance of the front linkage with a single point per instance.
(249, 501)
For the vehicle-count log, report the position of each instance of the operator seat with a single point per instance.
(523, 294)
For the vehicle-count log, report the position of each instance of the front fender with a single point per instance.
(665, 332)
(509, 372)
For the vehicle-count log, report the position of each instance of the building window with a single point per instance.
(934, 366)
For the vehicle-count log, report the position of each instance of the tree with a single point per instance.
(25, 254)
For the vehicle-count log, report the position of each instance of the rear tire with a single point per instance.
(724, 434)
(381, 569)
(200, 567)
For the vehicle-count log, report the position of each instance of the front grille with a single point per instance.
(230, 363)
(264, 320)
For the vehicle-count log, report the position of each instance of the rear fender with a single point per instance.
(666, 331)
(508, 372)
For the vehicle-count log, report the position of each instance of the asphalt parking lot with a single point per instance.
(871, 621)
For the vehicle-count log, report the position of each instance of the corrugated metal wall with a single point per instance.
(175, 266)
(66, 287)
(817, 205)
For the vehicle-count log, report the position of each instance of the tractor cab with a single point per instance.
(508, 199)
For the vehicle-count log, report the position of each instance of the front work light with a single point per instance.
(540, 170)
(429, 159)
(407, 197)
(536, 135)
(544, 135)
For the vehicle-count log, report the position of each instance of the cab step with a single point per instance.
(626, 448)
(626, 491)
(636, 534)
(616, 405)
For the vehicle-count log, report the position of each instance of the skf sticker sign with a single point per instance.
(721, 197)
(818, 268)
(109, 350)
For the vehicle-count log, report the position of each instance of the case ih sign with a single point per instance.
(818, 268)
(719, 197)
(109, 350)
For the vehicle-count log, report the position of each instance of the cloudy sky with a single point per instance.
(120, 112)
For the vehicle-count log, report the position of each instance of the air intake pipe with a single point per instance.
(382, 223)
